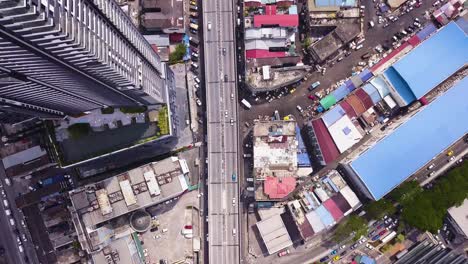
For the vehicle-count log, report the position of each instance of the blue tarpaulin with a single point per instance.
(341, 92)
(426, 31)
(187, 48)
(332, 185)
(372, 92)
(365, 75)
(325, 216)
(303, 159)
(330, 117)
(350, 85)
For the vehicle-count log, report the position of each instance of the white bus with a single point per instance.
(388, 237)
(246, 103)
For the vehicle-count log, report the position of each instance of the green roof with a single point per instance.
(328, 101)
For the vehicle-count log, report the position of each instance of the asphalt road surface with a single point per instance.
(222, 132)
(8, 237)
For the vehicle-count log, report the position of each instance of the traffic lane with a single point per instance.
(440, 161)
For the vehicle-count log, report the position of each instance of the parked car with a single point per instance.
(283, 253)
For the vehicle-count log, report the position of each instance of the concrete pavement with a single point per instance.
(222, 132)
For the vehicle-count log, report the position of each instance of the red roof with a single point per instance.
(348, 109)
(277, 188)
(333, 209)
(280, 20)
(365, 98)
(270, 10)
(176, 37)
(327, 145)
(414, 41)
(257, 53)
(391, 55)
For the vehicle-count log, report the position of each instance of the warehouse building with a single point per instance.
(389, 162)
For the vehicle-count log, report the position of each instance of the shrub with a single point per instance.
(133, 109)
(79, 130)
(107, 110)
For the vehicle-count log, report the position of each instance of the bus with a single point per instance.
(246, 103)
(388, 237)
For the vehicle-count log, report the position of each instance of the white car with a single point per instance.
(199, 102)
(209, 25)
(299, 108)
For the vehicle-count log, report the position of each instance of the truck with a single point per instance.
(246, 103)
(314, 85)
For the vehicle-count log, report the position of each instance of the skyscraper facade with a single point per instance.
(69, 56)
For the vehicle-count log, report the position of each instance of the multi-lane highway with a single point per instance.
(222, 131)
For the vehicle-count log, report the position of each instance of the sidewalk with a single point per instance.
(192, 101)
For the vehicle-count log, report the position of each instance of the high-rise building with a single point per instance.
(69, 56)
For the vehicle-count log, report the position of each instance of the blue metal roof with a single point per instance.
(463, 24)
(381, 86)
(434, 60)
(341, 92)
(303, 159)
(400, 85)
(325, 216)
(330, 117)
(337, 3)
(414, 143)
(372, 92)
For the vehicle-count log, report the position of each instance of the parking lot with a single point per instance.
(165, 239)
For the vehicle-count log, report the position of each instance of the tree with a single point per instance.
(178, 54)
(400, 238)
(380, 208)
(307, 42)
(428, 208)
(79, 130)
(133, 109)
(405, 192)
(353, 224)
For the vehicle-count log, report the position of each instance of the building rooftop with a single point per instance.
(460, 215)
(138, 188)
(447, 47)
(430, 131)
(163, 14)
(344, 133)
(332, 42)
(278, 188)
(275, 148)
(274, 234)
(276, 20)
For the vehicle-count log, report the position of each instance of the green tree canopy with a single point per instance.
(428, 208)
(178, 54)
(353, 224)
(378, 209)
(405, 192)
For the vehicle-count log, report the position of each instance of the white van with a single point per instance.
(20, 249)
(194, 65)
(371, 24)
(12, 221)
(234, 232)
(209, 25)
(359, 47)
(7, 181)
(197, 80)
(5, 202)
(7, 212)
